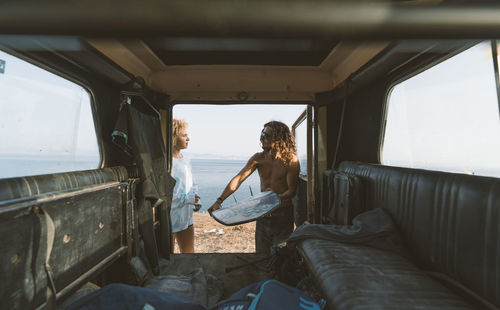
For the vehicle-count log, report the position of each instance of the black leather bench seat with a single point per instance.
(360, 277)
(448, 222)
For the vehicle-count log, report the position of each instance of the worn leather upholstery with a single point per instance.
(360, 277)
(72, 222)
(15, 188)
(449, 222)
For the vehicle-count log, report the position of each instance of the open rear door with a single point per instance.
(302, 130)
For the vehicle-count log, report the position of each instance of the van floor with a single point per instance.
(235, 270)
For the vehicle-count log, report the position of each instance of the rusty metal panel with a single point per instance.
(21, 269)
(89, 224)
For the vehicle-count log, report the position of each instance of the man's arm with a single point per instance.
(236, 181)
(292, 175)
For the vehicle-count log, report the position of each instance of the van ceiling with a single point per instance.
(217, 69)
(241, 51)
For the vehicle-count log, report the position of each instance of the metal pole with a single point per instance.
(271, 18)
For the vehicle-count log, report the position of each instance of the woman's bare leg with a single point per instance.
(185, 239)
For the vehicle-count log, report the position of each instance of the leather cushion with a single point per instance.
(360, 277)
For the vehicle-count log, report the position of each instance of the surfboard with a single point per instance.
(247, 210)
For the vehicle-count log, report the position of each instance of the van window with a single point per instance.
(46, 122)
(446, 118)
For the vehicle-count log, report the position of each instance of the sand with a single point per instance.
(213, 237)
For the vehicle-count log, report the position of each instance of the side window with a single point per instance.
(447, 117)
(46, 122)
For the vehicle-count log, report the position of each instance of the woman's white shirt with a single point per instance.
(183, 197)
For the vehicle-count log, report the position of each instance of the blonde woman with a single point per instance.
(185, 197)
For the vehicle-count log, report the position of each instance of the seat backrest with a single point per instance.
(451, 222)
(59, 231)
(342, 197)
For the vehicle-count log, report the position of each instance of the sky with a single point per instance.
(231, 131)
(43, 114)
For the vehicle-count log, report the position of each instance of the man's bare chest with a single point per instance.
(271, 169)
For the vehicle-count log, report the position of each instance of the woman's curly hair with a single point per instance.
(178, 126)
(282, 142)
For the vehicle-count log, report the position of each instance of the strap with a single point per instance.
(50, 229)
(341, 125)
(256, 299)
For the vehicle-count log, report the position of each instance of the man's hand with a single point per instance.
(197, 207)
(215, 206)
(196, 198)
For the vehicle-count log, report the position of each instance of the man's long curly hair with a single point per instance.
(283, 145)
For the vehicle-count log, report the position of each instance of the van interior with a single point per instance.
(403, 134)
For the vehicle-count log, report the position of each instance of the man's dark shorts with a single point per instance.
(272, 230)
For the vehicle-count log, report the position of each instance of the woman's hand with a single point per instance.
(215, 206)
(197, 206)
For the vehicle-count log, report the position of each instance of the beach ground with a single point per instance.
(213, 237)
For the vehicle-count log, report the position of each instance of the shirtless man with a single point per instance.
(278, 169)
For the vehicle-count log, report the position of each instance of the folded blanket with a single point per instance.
(373, 228)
